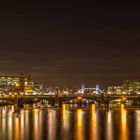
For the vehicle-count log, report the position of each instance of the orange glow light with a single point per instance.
(124, 98)
(79, 97)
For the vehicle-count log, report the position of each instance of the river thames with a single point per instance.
(70, 124)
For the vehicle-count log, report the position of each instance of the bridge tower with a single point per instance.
(82, 88)
(97, 89)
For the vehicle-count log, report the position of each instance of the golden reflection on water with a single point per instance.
(22, 122)
(65, 122)
(93, 124)
(12, 108)
(3, 124)
(124, 130)
(52, 124)
(109, 127)
(65, 117)
(40, 123)
(79, 125)
(17, 128)
(37, 129)
(137, 118)
(20, 128)
(26, 127)
(64, 113)
(10, 126)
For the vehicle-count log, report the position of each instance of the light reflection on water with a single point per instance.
(4, 124)
(70, 124)
(65, 118)
(137, 115)
(79, 125)
(10, 126)
(36, 127)
(16, 128)
(124, 130)
(93, 124)
(109, 129)
(65, 123)
(25, 127)
(52, 123)
(22, 122)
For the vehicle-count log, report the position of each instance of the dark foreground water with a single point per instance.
(70, 124)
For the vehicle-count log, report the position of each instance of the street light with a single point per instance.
(123, 98)
(17, 84)
(79, 97)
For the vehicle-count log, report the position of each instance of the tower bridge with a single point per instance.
(91, 90)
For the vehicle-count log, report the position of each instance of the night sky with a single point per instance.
(67, 44)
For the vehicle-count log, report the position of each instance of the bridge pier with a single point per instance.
(60, 104)
(57, 100)
(51, 102)
(20, 102)
(79, 104)
(138, 102)
(107, 104)
(102, 101)
(123, 101)
(16, 103)
(79, 101)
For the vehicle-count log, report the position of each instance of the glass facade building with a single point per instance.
(16, 84)
(128, 87)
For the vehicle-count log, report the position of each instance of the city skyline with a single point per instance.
(71, 44)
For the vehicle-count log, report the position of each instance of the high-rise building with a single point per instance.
(131, 86)
(115, 90)
(19, 84)
(128, 87)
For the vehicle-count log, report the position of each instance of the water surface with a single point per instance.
(70, 124)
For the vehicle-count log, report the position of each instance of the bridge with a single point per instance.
(95, 90)
(58, 100)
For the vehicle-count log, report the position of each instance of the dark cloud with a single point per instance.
(69, 44)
